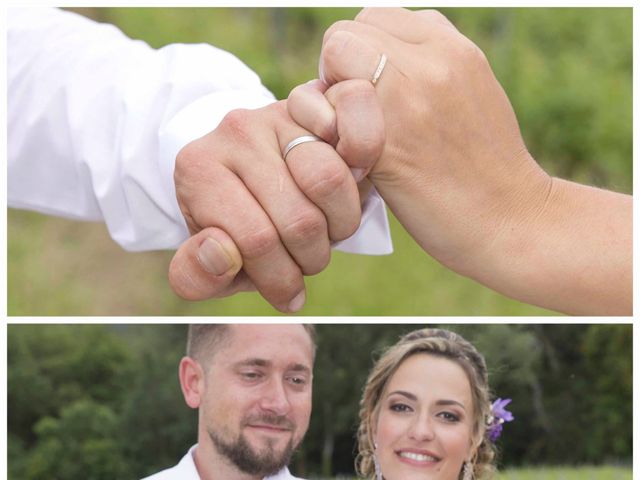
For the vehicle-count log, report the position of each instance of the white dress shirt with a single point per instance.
(96, 119)
(186, 470)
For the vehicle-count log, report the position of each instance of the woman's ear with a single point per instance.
(191, 381)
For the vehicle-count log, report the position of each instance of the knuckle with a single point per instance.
(363, 148)
(288, 284)
(258, 243)
(436, 15)
(468, 50)
(337, 26)
(464, 58)
(198, 161)
(278, 108)
(297, 94)
(188, 155)
(356, 88)
(432, 16)
(193, 170)
(320, 262)
(364, 15)
(476, 55)
(237, 125)
(236, 119)
(327, 179)
(347, 228)
(334, 46)
(309, 225)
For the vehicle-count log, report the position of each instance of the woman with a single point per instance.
(425, 412)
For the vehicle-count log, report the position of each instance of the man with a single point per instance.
(253, 398)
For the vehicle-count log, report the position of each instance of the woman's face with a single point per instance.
(425, 421)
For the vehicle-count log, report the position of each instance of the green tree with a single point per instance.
(513, 355)
(608, 350)
(59, 364)
(344, 358)
(154, 412)
(81, 444)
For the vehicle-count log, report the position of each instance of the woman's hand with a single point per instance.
(457, 174)
(454, 169)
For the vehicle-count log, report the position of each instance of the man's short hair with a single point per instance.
(203, 340)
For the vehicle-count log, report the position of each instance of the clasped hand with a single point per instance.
(268, 222)
(438, 138)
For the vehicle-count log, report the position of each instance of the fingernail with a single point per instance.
(358, 173)
(213, 257)
(297, 303)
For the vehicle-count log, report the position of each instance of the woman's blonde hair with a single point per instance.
(441, 343)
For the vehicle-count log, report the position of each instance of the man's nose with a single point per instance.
(275, 398)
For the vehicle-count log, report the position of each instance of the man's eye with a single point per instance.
(298, 380)
(251, 375)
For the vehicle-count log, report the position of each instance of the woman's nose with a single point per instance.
(422, 429)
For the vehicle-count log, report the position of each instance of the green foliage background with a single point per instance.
(567, 71)
(93, 402)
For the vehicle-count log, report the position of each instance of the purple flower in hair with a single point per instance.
(499, 415)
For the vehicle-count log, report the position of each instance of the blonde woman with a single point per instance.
(425, 412)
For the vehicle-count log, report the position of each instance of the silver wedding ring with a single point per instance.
(378, 72)
(299, 141)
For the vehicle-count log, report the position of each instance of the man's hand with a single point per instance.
(247, 208)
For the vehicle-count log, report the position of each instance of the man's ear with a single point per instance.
(191, 381)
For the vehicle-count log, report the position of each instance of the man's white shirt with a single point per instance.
(186, 470)
(96, 119)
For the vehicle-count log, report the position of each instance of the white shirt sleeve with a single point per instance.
(95, 121)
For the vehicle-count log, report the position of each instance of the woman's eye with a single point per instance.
(400, 407)
(449, 417)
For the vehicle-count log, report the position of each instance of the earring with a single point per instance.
(376, 465)
(467, 471)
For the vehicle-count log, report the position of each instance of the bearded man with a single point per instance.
(252, 386)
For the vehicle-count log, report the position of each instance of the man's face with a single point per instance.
(257, 398)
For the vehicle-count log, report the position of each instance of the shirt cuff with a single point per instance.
(373, 237)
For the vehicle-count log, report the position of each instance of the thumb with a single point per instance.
(208, 265)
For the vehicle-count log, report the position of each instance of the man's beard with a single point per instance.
(246, 458)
